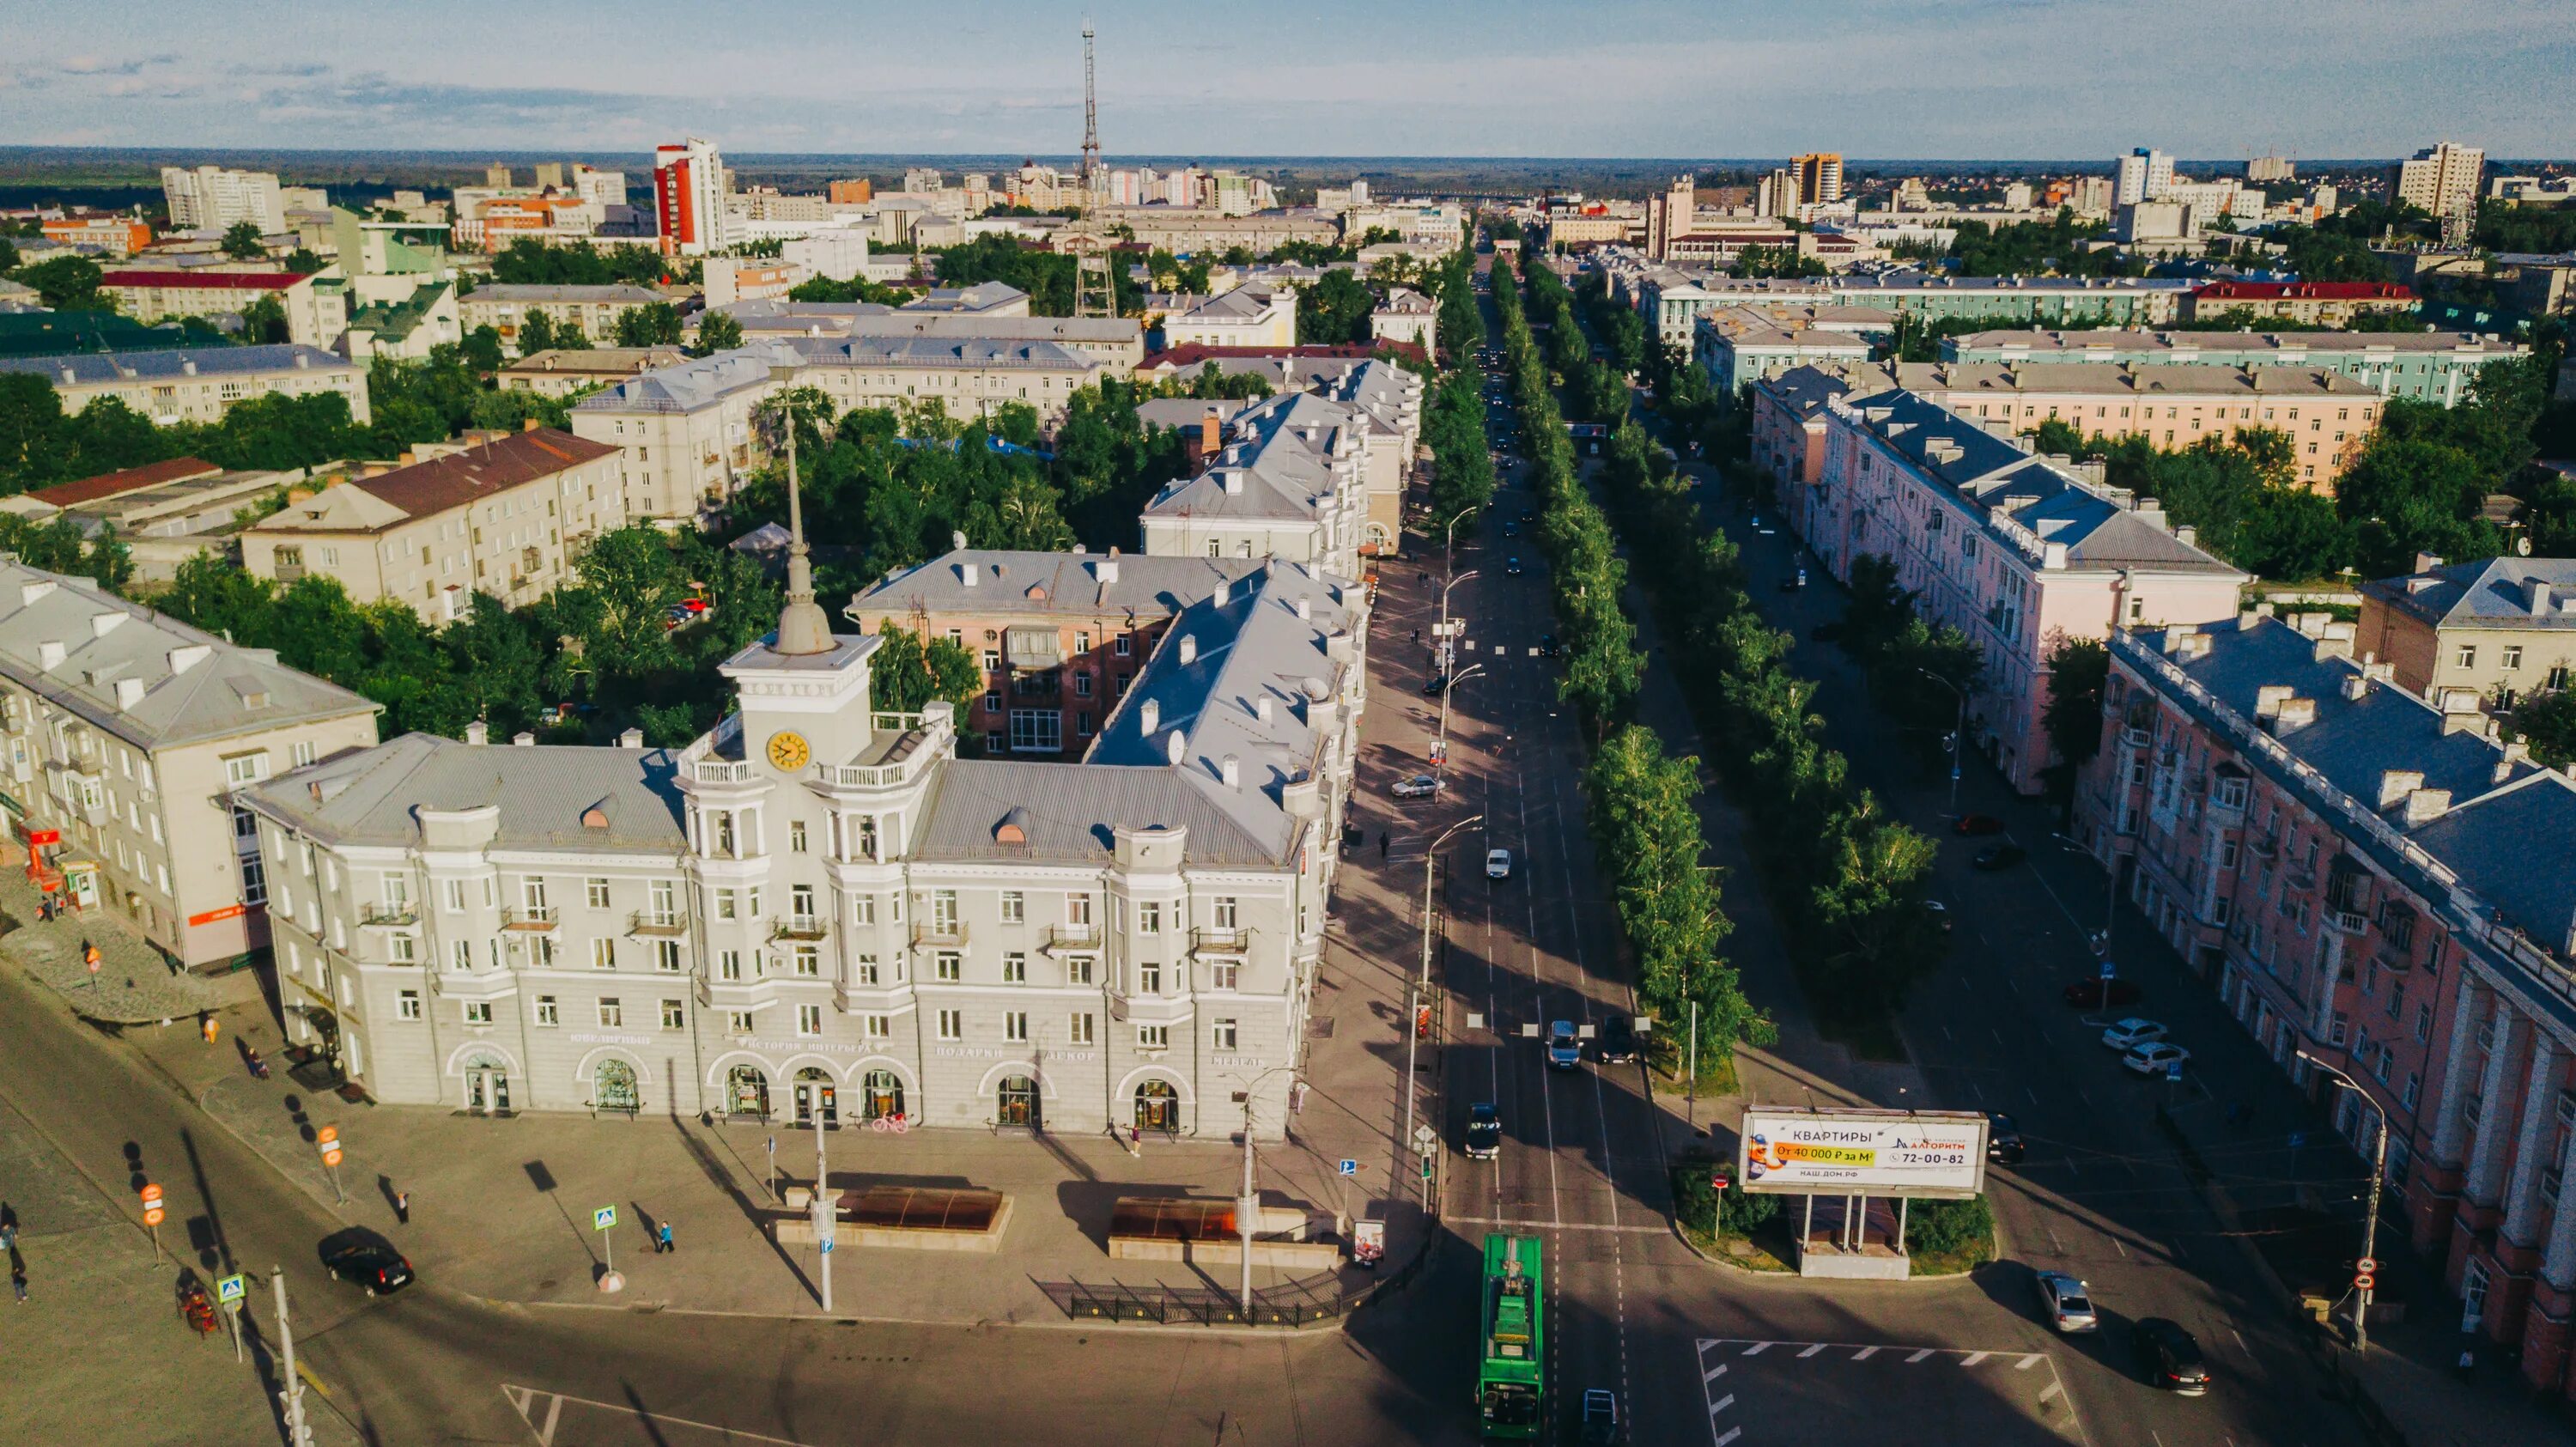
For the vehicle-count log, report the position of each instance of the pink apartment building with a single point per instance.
(2015, 551)
(2370, 878)
(1789, 414)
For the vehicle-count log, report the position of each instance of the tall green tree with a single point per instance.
(242, 241)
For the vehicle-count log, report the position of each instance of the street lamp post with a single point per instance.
(2370, 1222)
(1442, 632)
(1958, 734)
(1247, 1206)
(1422, 981)
(1440, 750)
(1449, 540)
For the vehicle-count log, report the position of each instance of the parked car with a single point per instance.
(2169, 1356)
(2103, 994)
(1617, 1043)
(2156, 1057)
(1484, 1131)
(1600, 1418)
(2003, 1139)
(2132, 1031)
(371, 1264)
(1564, 1048)
(1498, 864)
(1420, 786)
(2000, 856)
(2065, 1304)
(1978, 824)
(1431, 686)
(1940, 915)
(1548, 645)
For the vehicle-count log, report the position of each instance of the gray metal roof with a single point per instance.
(543, 795)
(928, 351)
(699, 382)
(866, 319)
(91, 368)
(1277, 469)
(1071, 812)
(624, 293)
(1048, 584)
(1984, 346)
(192, 686)
(2493, 593)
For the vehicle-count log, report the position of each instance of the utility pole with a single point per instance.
(1958, 734)
(1249, 1205)
(826, 1216)
(1447, 652)
(291, 1396)
(1440, 750)
(2369, 1223)
(1422, 982)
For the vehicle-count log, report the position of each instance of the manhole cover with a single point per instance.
(1321, 1027)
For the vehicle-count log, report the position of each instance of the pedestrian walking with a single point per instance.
(402, 1207)
(1381, 843)
(90, 956)
(212, 1028)
(2467, 1368)
(18, 1282)
(662, 1239)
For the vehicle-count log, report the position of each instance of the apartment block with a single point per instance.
(819, 910)
(1787, 423)
(2370, 879)
(2012, 550)
(561, 372)
(1117, 341)
(2442, 179)
(2427, 366)
(212, 198)
(197, 384)
(1739, 345)
(1293, 481)
(115, 235)
(594, 309)
(127, 733)
(687, 433)
(1248, 316)
(315, 315)
(2308, 303)
(969, 378)
(2501, 629)
(506, 515)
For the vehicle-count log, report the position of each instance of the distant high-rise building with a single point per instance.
(2442, 179)
(497, 176)
(550, 173)
(1778, 194)
(2091, 196)
(2264, 170)
(1820, 177)
(850, 193)
(213, 198)
(689, 198)
(920, 180)
(2017, 196)
(2145, 175)
(1669, 216)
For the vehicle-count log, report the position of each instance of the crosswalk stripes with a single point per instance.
(526, 1400)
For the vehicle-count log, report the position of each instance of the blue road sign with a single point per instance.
(2173, 1070)
(603, 1218)
(2107, 969)
(2298, 1138)
(232, 1288)
(1350, 1167)
(827, 1245)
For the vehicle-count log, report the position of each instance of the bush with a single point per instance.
(1736, 1212)
(1938, 1228)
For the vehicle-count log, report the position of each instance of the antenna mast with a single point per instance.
(1091, 179)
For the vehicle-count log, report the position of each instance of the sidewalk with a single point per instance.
(134, 984)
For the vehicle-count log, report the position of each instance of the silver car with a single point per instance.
(2065, 1303)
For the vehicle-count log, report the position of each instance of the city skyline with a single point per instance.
(1885, 79)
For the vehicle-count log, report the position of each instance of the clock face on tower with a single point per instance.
(788, 751)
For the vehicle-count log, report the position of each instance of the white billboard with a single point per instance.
(1794, 1151)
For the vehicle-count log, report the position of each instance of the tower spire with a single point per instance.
(802, 627)
(1091, 177)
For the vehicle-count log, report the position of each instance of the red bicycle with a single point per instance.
(894, 1121)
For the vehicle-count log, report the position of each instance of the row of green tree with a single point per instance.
(1641, 802)
(1847, 881)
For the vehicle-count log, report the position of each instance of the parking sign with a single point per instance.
(1350, 1167)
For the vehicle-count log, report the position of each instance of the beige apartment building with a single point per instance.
(2502, 627)
(687, 434)
(315, 315)
(595, 309)
(197, 384)
(506, 515)
(2327, 416)
(563, 372)
(969, 378)
(125, 734)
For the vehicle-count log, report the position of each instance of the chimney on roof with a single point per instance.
(523, 739)
(2176, 635)
(631, 739)
(2356, 686)
(2460, 713)
(2425, 805)
(50, 654)
(1149, 716)
(1234, 483)
(409, 458)
(2513, 753)
(2187, 535)
(189, 366)
(2333, 640)
(478, 733)
(1224, 593)
(1211, 433)
(1105, 570)
(528, 424)
(129, 692)
(2396, 784)
(1261, 708)
(1230, 769)
(966, 573)
(1189, 649)
(2269, 697)
(2427, 562)
(2537, 598)
(2293, 715)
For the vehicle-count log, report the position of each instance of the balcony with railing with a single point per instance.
(720, 771)
(656, 922)
(1212, 940)
(2350, 921)
(949, 934)
(799, 927)
(393, 914)
(1063, 937)
(531, 917)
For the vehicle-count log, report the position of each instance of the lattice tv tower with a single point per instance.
(1092, 178)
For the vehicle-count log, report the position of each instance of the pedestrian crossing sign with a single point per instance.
(603, 1218)
(232, 1288)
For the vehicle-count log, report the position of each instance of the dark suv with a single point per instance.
(1617, 1044)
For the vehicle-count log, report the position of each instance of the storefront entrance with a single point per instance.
(1018, 1103)
(614, 1087)
(1158, 1107)
(747, 1092)
(814, 1094)
(881, 1095)
(487, 1085)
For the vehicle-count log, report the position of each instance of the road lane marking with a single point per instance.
(1712, 1374)
(1721, 1404)
(1599, 1226)
(1755, 1350)
(2051, 1390)
(1811, 1351)
(2028, 1362)
(1918, 1356)
(520, 1397)
(1865, 1354)
(2116, 1246)
(2240, 1341)
(1729, 1435)
(1975, 1357)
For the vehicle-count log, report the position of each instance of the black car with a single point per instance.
(2000, 856)
(2003, 1139)
(1511, 567)
(1431, 686)
(1511, 530)
(2169, 1356)
(1617, 1044)
(377, 1267)
(1548, 645)
(1484, 1131)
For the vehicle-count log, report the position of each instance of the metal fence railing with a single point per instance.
(1290, 1304)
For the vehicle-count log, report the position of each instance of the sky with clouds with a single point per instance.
(1927, 79)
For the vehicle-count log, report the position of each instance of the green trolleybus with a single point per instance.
(1511, 1370)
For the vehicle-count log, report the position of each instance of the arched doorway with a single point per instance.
(814, 1095)
(487, 1083)
(613, 1087)
(1158, 1106)
(747, 1091)
(1017, 1103)
(880, 1095)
